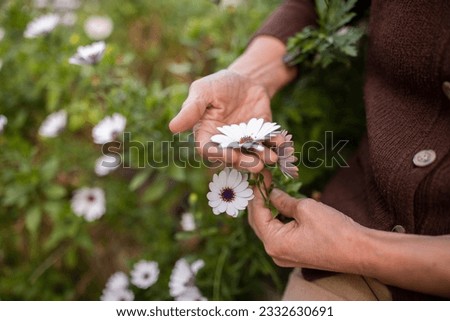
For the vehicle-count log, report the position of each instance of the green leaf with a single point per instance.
(49, 169)
(33, 220)
(155, 191)
(55, 192)
(139, 179)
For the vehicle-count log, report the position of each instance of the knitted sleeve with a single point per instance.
(291, 17)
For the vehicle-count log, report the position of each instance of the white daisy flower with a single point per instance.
(182, 281)
(68, 19)
(2, 33)
(98, 27)
(117, 295)
(3, 122)
(106, 164)
(191, 293)
(89, 55)
(117, 281)
(145, 274)
(343, 31)
(89, 203)
(286, 158)
(224, 4)
(245, 135)
(187, 222)
(229, 192)
(53, 124)
(42, 25)
(109, 128)
(40, 4)
(66, 5)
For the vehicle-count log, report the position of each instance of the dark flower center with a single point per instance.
(245, 139)
(227, 194)
(91, 198)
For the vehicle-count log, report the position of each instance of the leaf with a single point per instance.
(55, 192)
(49, 169)
(155, 191)
(33, 220)
(139, 179)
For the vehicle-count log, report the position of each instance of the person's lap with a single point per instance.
(337, 287)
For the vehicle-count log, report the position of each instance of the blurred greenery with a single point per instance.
(157, 48)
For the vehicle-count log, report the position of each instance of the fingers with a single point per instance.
(190, 113)
(260, 217)
(283, 202)
(266, 155)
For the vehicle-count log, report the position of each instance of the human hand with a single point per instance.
(318, 236)
(223, 98)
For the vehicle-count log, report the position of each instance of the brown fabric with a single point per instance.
(286, 20)
(407, 111)
(337, 287)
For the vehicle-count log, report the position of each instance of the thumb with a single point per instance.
(190, 113)
(286, 204)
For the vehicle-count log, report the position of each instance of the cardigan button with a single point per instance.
(398, 229)
(424, 158)
(446, 88)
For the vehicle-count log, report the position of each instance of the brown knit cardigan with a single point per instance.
(407, 99)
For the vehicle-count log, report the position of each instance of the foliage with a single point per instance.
(156, 50)
(331, 41)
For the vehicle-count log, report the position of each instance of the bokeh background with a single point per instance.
(153, 52)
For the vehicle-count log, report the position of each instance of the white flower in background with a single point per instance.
(343, 31)
(40, 4)
(53, 124)
(98, 27)
(187, 222)
(89, 55)
(89, 203)
(286, 158)
(182, 281)
(224, 4)
(66, 5)
(106, 164)
(229, 192)
(117, 281)
(2, 33)
(68, 19)
(3, 122)
(41, 26)
(109, 128)
(145, 274)
(245, 135)
(116, 288)
(117, 295)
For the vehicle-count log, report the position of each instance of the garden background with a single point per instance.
(155, 50)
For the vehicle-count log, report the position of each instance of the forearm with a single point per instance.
(414, 262)
(262, 62)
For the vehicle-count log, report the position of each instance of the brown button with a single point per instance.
(446, 88)
(398, 229)
(424, 158)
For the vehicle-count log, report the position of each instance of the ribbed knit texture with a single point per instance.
(407, 111)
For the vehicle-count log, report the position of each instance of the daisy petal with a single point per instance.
(231, 210)
(241, 187)
(213, 196)
(222, 207)
(246, 193)
(214, 203)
